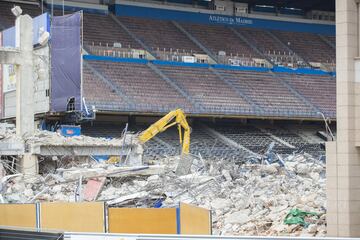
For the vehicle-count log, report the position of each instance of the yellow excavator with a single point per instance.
(164, 123)
(161, 125)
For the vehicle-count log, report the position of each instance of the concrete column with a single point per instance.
(24, 81)
(343, 172)
(25, 89)
(29, 164)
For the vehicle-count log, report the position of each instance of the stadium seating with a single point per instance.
(309, 46)
(253, 137)
(220, 38)
(268, 92)
(284, 95)
(207, 89)
(262, 40)
(236, 92)
(332, 39)
(102, 30)
(250, 137)
(97, 93)
(160, 34)
(318, 89)
(270, 47)
(300, 144)
(143, 86)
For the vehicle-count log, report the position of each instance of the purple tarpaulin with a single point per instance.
(65, 62)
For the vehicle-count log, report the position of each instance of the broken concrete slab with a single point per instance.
(93, 188)
(113, 172)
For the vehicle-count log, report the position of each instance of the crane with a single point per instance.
(164, 123)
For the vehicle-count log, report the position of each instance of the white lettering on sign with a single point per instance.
(230, 20)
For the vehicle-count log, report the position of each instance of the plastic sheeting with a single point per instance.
(40, 22)
(65, 62)
(8, 39)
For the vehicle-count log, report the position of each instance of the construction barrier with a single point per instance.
(92, 217)
(73, 217)
(143, 220)
(185, 219)
(18, 215)
(194, 220)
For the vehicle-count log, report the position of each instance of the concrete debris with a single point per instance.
(56, 139)
(246, 197)
(111, 171)
(7, 130)
(93, 188)
(127, 198)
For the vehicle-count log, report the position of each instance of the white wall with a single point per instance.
(41, 85)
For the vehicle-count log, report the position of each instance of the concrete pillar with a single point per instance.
(25, 89)
(29, 164)
(24, 81)
(343, 157)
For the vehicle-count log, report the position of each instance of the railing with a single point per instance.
(109, 51)
(174, 55)
(208, 110)
(286, 59)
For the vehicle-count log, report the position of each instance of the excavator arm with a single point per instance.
(164, 123)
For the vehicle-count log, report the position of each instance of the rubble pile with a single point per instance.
(41, 137)
(54, 138)
(245, 199)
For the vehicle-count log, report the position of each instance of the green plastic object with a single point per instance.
(296, 216)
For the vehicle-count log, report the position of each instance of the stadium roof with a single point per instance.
(325, 5)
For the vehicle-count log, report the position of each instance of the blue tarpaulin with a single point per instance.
(65, 62)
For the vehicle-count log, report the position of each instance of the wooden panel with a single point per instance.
(142, 220)
(73, 217)
(18, 215)
(194, 220)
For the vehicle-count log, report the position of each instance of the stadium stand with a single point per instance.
(300, 143)
(100, 94)
(218, 38)
(228, 92)
(220, 91)
(268, 92)
(318, 51)
(204, 143)
(160, 35)
(143, 86)
(100, 30)
(319, 90)
(278, 53)
(207, 89)
(332, 39)
(250, 137)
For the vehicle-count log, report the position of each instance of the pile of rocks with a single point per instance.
(247, 199)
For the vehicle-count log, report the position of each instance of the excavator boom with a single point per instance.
(164, 123)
